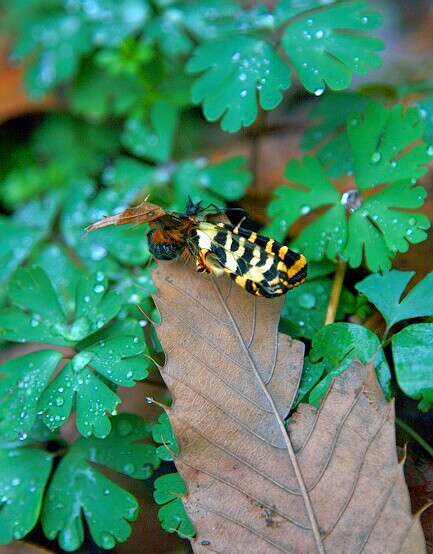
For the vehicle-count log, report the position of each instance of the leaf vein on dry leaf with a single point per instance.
(280, 422)
(197, 303)
(336, 437)
(379, 512)
(247, 527)
(233, 486)
(358, 473)
(247, 398)
(202, 336)
(241, 460)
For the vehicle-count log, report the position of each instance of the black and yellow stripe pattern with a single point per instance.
(260, 265)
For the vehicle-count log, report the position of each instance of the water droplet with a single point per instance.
(129, 374)
(99, 276)
(107, 541)
(59, 401)
(375, 157)
(34, 322)
(135, 340)
(22, 436)
(412, 221)
(351, 199)
(430, 150)
(129, 469)
(409, 232)
(319, 91)
(309, 22)
(243, 93)
(236, 56)
(242, 77)
(301, 323)
(319, 34)
(364, 19)
(98, 288)
(15, 481)
(307, 301)
(124, 427)
(86, 298)
(364, 213)
(393, 163)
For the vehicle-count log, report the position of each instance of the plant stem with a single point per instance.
(334, 299)
(412, 433)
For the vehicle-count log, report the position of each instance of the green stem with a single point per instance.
(412, 433)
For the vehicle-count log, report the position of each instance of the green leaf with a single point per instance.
(57, 40)
(97, 94)
(211, 183)
(412, 351)
(155, 140)
(78, 487)
(21, 233)
(109, 248)
(304, 308)
(359, 224)
(168, 492)
(385, 292)
(382, 226)
(167, 31)
(286, 9)
(41, 318)
(327, 234)
(328, 46)
(162, 433)
(380, 139)
(61, 271)
(59, 140)
(118, 360)
(24, 474)
(336, 346)
(311, 375)
(425, 107)
(24, 379)
(328, 130)
(235, 71)
(132, 175)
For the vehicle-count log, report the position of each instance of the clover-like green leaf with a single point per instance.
(412, 351)
(24, 474)
(236, 71)
(115, 359)
(286, 9)
(328, 131)
(360, 224)
(327, 234)
(336, 346)
(385, 292)
(162, 433)
(129, 174)
(78, 487)
(98, 94)
(328, 46)
(168, 492)
(311, 375)
(382, 226)
(21, 233)
(24, 379)
(61, 271)
(38, 316)
(211, 183)
(153, 141)
(425, 106)
(380, 139)
(111, 247)
(56, 40)
(304, 308)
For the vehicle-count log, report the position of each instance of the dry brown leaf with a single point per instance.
(143, 213)
(332, 484)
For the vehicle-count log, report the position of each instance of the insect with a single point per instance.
(258, 264)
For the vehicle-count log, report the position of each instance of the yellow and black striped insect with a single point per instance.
(258, 264)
